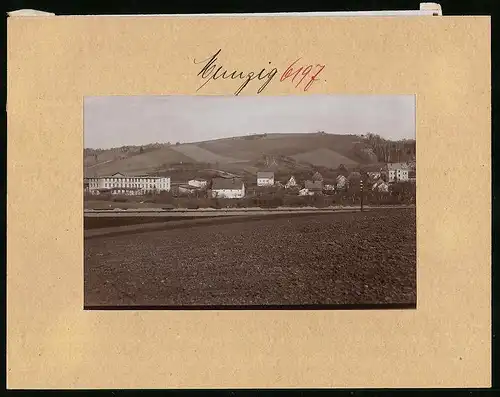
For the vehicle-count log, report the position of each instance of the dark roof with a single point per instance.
(397, 166)
(120, 175)
(265, 174)
(316, 185)
(186, 186)
(227, 183)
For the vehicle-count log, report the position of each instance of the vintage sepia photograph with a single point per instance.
(250, 202)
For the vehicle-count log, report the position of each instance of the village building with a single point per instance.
(183, 189)
(341, 182)
(197, 182)
(397, 172)
(291, 183)
(329, 187)
(119, 183)
(380, 186)
(265, 178)
(228, 188)
(311, 188)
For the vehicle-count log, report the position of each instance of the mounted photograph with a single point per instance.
(250, 202)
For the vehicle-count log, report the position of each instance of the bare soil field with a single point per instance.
(326, 259)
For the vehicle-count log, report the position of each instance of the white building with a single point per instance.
(265, 178)
(397, 172)
(228, 188)
(130, 185)
(341, 182)
(291, 183)
(200, 183)
(380, 186)
(311, 188)
(187, 189)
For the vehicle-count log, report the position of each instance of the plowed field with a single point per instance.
(323, 259)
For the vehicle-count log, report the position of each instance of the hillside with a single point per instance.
(246, 155)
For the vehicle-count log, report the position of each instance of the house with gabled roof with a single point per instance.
(291, 183)
(341, 182)
(265, 178)
(228, 188)
(311, 188)
(380, 186)
(397, 172)
(198, 182)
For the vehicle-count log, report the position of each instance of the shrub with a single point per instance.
(294, 201)
(269, 201)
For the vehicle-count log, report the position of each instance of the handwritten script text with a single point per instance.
(298, 74)
(211, 71)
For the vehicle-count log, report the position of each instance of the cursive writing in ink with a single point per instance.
(301, 73)
(211, 71)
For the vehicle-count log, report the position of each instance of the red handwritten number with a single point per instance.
(313, 78)
(303, 72)
(289, 71)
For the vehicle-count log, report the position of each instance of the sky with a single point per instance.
(113, 121)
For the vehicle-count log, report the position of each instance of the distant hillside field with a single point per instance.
(284, 153)
(279, 144)
(199, 154)
(138, 164)
(324, 157)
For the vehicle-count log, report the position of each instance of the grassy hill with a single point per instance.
(243, 156)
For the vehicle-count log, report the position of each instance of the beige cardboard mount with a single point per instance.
(55, 61)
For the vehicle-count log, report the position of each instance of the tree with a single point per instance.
(177, 143)
(141, 150)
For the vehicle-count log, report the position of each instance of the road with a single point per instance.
(156, 212)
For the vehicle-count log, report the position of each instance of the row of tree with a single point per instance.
(388, 151)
